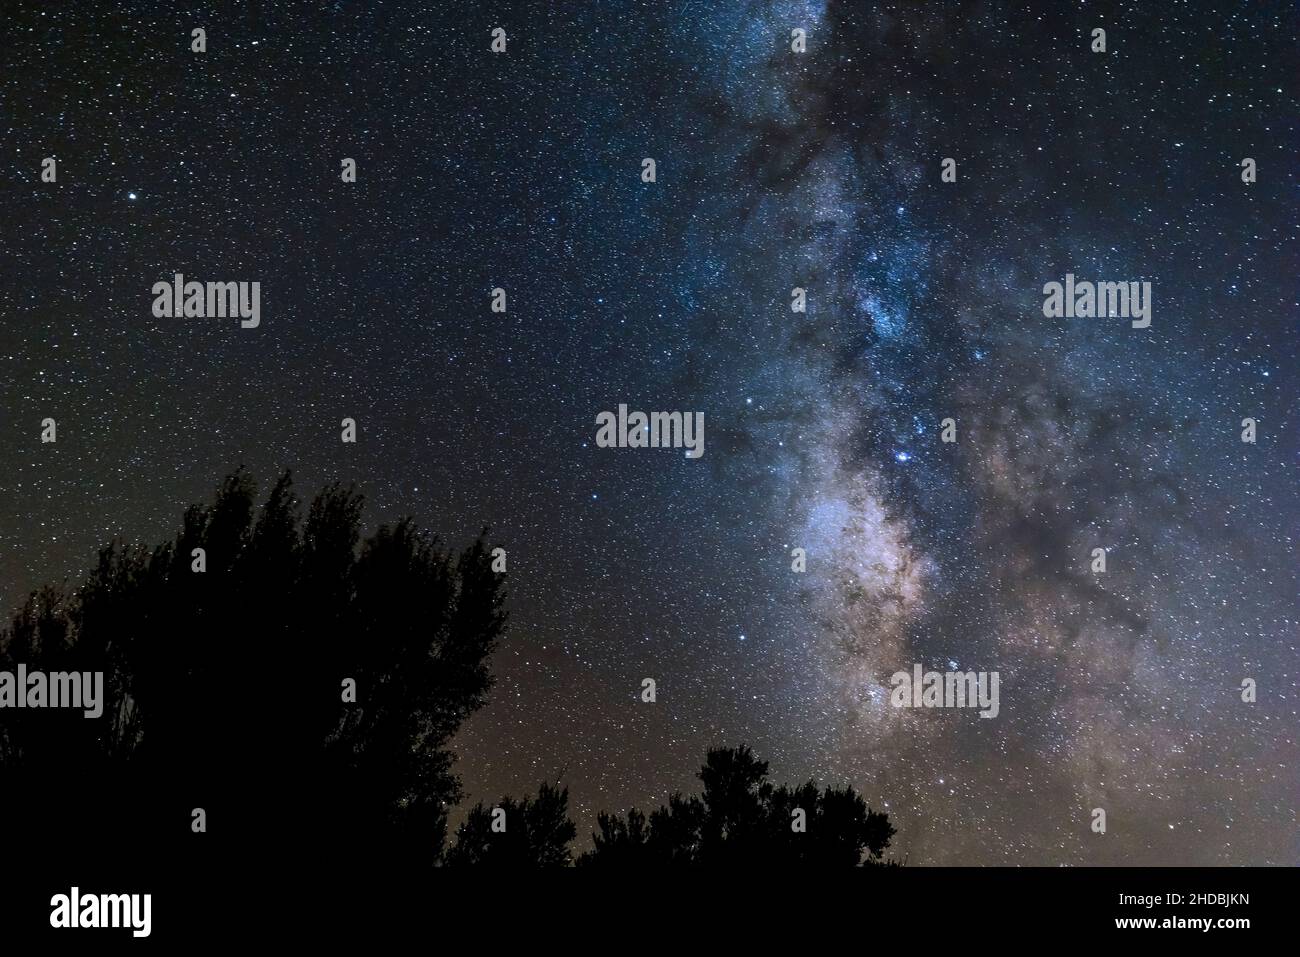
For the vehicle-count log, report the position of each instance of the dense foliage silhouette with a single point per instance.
(534, 832)
(741, 820)
(224, 688)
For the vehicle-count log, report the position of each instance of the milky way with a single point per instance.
(776, 170)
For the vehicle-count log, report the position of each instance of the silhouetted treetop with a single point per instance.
(534, 832)
(227, 653)
(741, 819)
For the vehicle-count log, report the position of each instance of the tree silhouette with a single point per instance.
(301, 686)
(224, 688)
(741, 819)
(534, 832)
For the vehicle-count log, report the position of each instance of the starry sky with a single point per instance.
(775, 170)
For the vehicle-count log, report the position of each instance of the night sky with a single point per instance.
(775, 170)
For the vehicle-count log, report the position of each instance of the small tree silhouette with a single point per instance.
(535, 832)
(743, 820)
